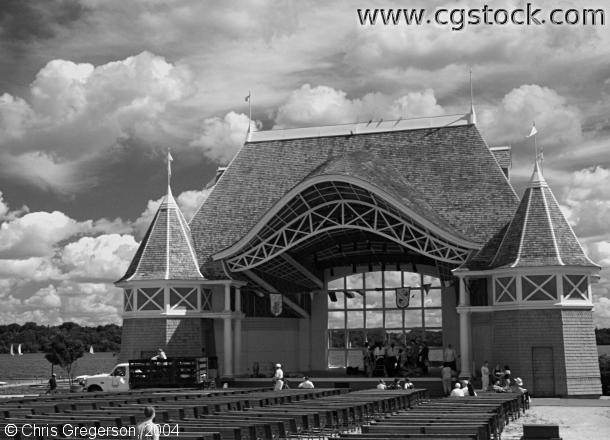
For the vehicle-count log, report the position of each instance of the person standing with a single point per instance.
(446, 379)
(278, 378)
(391, 357)
(367, 360)
(147, 429)
(485, 376)
(52, 384)
(422, 358)
(450, 357)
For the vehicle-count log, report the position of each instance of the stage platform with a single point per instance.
(432, 384)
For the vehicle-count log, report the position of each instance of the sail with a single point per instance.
(19, 350)
(12, 350)
(91, 349)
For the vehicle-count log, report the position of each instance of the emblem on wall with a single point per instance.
(403, 295)
(276, 303)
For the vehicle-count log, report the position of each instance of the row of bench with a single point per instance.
(476, 418)
(234, 414)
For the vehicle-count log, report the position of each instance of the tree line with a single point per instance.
(36, 338)
(602, 336)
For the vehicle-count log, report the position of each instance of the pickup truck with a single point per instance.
(148, 373)
(116, 380)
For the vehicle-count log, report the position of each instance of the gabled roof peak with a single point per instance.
(371, 126)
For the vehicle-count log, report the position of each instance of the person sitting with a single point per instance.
(408, 384)
(395, 385)
(160, 356)
(470, 388)
(497, 387)
(457, 390)
(517, 386)
(307, 384)
(381, 385)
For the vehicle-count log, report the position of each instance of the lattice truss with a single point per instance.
(576, 287)
(331, 206)
(506, 289)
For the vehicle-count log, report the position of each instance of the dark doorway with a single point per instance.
(543, 372)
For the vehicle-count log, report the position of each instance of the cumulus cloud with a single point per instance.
(55, 268)
(586, 200)
(322, 105)
(222, 138)
(76, 113)
(558, 123)
(188, 202)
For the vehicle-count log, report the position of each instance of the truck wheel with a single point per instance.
(94, 388)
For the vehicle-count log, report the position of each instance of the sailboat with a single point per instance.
(19, 350)
(12, 350)
(91, 349)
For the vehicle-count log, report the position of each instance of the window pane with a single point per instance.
(393, 319)
(357, 302)
(434, 318)
(335, 284)
(336, 319)
(339, 304)
(390, 299)
(435, 282)
(336, 339)
(374, 299)
(354, 281)
(373, 280)
(415, 298)
(374, 319)
(393, 279)
(432, 298)
(412, 279)
(336, 358)
(413, 318)
(356, 339)
(355, 319)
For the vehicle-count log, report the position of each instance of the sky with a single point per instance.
(94, 92)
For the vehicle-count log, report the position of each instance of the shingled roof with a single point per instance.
(167, 251)
(446, 173)
(538, 235)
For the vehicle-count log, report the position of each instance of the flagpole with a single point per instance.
(169, 168)
(249, 110)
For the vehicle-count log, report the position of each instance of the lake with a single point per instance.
(33, 366)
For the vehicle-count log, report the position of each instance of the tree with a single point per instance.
(65, 352)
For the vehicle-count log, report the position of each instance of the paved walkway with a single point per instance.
(578, 419)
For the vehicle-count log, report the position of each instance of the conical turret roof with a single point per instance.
(539, 234)
(166, 252)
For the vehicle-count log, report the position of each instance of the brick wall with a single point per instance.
(581, 357)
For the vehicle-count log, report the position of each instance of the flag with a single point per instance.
(247, 98)
(427, 287)
(533, 132)
(403, 296)
(276, 303)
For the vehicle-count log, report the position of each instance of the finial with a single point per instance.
(472, 115)
(538, 155)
